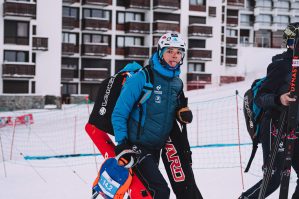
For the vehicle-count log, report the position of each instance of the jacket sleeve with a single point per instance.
(269, 93)
(129, 95)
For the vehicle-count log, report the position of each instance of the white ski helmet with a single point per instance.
(171, 40)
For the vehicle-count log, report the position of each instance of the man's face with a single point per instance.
(172, 56)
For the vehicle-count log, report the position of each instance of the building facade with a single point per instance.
(68, 47)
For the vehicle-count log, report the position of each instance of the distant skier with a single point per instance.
(272, 95)
(145, 128)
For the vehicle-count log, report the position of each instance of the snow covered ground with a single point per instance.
(213, 136)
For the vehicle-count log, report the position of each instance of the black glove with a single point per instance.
(127, 154)
(184, 115)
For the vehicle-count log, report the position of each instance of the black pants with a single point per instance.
(266, 139)
(148, 171)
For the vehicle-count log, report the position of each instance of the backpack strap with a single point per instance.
(145, 94)
(253, 152)
(255, 143)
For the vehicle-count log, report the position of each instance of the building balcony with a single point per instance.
(137, 4)
(231, 79)
(18, 70)
(69, 74)
(199, 54)
(262, 25)
(167, 4)
(40, 43)
(16, 40)
(91, 74)
(96, 49)
(137, 27)
(231, 61)
(70, 23)
(96, 24)
(198, 8)
(70, 1)
(232, 21)
(69, 49)
(236, 3)
(166, 26)
(199, 30)
(19, 9)
(231, 41)
(198, 80)
(97, 2)
(136, 52)
(279, 25)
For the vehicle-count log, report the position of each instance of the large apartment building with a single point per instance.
(67, 47)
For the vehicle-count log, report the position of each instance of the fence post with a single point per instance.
(13, 137)
(197, 123)
(75, 132)
(239, 142)
(3, 159)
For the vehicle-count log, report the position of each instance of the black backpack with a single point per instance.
(109, 91)
(253, 115)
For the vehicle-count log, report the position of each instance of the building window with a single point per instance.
(263, 19)
(281, 20)
(197, 43)
(263, 38)
(16, 32)
(70, 38)
(294, 19)
(15, 56)
(197, 2)
(69, 89)
(69, 63)
(34, 30)
(245, 20)
(231, 33)
(70, 12)
(128, 41)
(95, 39)
(264, 3)
(281, 5)
(94, 13)
(123, 17)
(196, 67)
(231, 52)
(14, 86)
(33, 57)
(197, 20)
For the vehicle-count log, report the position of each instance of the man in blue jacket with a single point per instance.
(148, 136)
(273, 94)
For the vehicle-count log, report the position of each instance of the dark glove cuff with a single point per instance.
(185, 115)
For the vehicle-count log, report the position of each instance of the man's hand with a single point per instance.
(128, 154)
(285, 99)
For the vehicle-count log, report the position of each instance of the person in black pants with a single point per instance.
(271, 97)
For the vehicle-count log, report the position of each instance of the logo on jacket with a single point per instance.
(158, 99)
(158, 90)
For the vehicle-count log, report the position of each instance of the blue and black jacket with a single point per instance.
(158, 111)
(276, 83)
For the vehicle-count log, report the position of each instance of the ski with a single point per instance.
(106, 146)
(277, 146)
(291, 125)
(177, 160)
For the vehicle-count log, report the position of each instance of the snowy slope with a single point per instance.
(60, 132)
